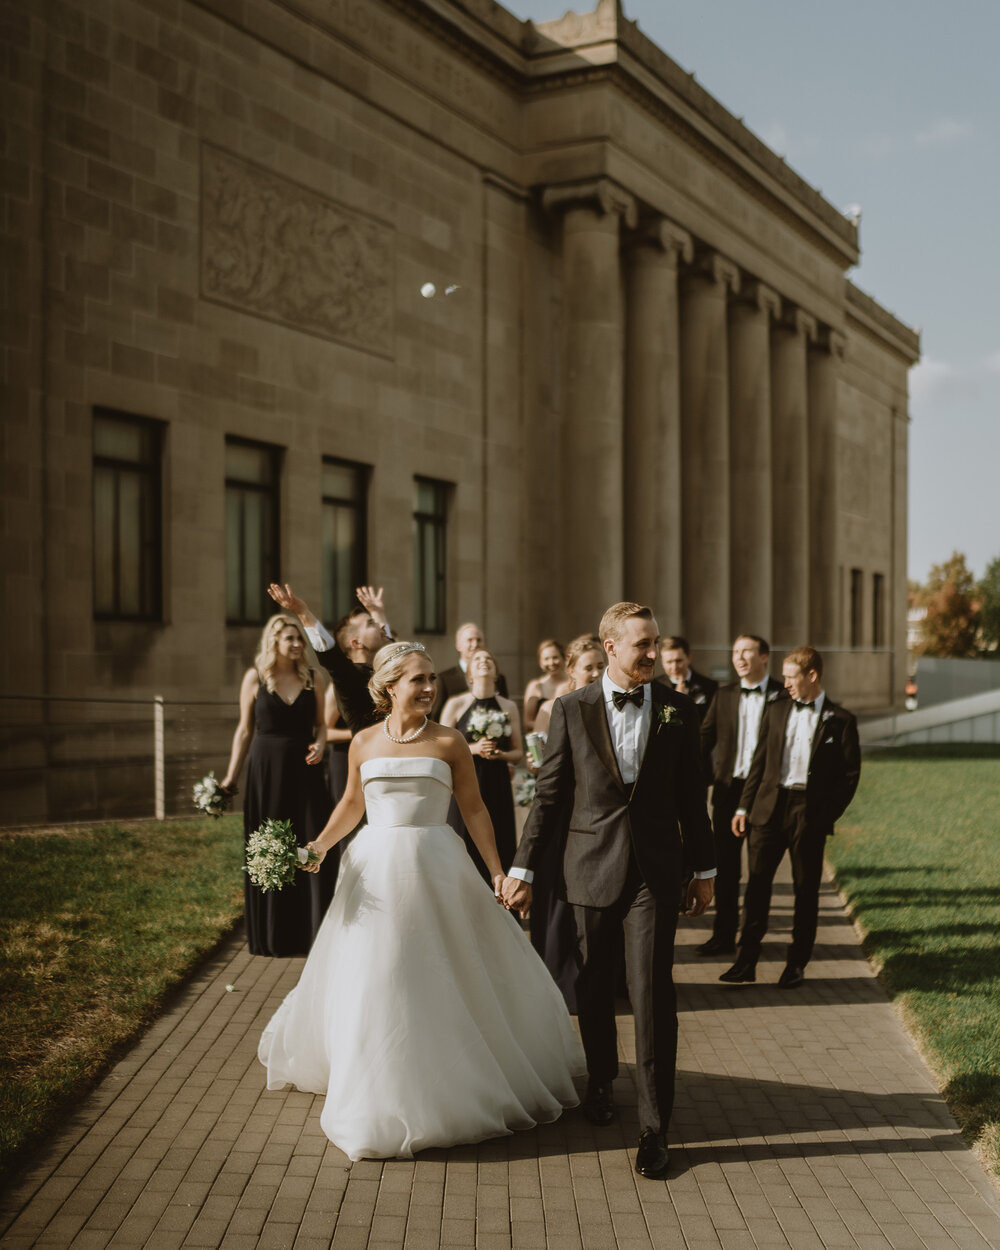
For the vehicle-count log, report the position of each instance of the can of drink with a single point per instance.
(534, 744)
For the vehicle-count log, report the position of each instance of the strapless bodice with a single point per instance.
(406, 790)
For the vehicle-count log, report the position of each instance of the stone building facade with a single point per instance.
(298, 288)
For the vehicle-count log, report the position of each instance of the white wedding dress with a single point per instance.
(423, 1013)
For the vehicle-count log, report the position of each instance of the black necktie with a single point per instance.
(751, 690)
(621, 697)
(801, 704)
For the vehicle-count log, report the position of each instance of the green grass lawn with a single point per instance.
(97, 925)
(918, 857)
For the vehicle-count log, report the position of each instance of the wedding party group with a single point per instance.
(411, 883)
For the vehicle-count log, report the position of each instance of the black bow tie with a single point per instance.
(801, 703)
(620, 697)
(751, 690)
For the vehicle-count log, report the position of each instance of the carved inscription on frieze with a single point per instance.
(280, 251)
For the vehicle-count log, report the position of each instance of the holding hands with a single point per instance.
(516, 894)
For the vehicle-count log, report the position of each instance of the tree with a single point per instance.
(950, 597)
(989, 609)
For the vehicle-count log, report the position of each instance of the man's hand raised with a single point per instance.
(289, 601)
(373, 602)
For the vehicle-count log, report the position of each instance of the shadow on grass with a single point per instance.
(852, 879)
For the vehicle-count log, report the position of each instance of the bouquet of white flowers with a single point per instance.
(274, 856)
(209, 796)
(488, 722)
(524, 788)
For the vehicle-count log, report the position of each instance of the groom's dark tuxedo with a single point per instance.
(624, 853)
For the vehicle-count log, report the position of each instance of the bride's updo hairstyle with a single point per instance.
(390, 661)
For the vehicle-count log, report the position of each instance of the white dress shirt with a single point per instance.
(799, 733)
(320, 637)
(750, 715)
(629, 727)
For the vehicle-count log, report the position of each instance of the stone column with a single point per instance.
(653, 419)
(824, 370)
(790, 478)
(591, 541)
(750, 543)
(705, 458)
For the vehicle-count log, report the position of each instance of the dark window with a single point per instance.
(430, 515)
(345, 535)
(127, 543)
(252, 474)
(857, 594)
(878, 610)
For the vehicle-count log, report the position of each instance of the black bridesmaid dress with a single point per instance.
(280, 785)
(494, 785)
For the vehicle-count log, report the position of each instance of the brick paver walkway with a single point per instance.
(804, 1119)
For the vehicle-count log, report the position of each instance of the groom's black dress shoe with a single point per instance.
(717, 946)
(740, 974)
(599, 1104)
(792, 977)
(651, 1157)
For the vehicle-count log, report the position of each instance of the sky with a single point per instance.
(893, 106)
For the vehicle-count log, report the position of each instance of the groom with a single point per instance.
(622, 760)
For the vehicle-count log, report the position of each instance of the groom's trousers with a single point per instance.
(649, 927)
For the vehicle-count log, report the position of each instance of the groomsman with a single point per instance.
(729, 736)
(455, 680)
(804, 774)
(620, 795)
(675, 656)
(349, 657)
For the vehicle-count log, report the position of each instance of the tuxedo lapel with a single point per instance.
(595, 721)
(823, 724)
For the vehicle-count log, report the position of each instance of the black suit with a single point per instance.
(452, 681)
(700, 689)
(798, 821)
(350, 683)
(623, 854)
(719, 743)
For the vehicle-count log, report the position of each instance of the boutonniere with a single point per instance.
(774, 696)
(827, 715)
(667, 714)
(699, 697)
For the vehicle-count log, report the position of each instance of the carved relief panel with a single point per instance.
(283, 252)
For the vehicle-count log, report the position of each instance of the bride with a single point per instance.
(422, 1013)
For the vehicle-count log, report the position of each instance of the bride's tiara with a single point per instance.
(395, 649)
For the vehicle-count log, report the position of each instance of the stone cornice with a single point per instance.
(580, 49)
(601, 193)
(880, 323)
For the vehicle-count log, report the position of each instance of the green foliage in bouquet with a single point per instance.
(274, 856)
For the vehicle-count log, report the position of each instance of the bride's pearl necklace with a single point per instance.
(407, 737)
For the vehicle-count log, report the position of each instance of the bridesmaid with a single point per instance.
(585, 662)
(552, 662)
(492, 728)
(282, 735)
(552, 927)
